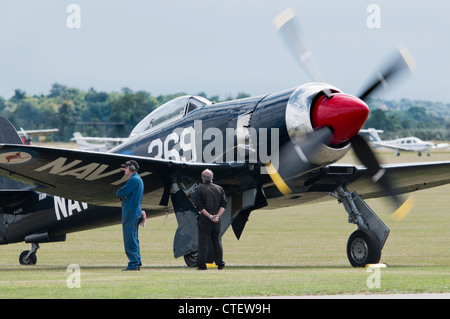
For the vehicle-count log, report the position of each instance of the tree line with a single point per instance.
(424, 119)
(114, 114)
(92, 112)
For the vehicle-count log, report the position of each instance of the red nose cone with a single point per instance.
(346, 114)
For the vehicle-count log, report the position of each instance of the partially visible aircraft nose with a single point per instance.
(344, 113)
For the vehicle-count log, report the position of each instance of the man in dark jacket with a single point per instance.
(131, 196)
(211, 203)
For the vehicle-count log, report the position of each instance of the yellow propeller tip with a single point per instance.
(403, 210)
(277, 179)
(283, 17)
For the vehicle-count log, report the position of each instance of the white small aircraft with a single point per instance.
(100, 144)
(26, 135)
(408, 144)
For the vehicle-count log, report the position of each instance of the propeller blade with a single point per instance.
(278, 180)
(403, 210)
(379, 176)
(288, 29)
(400, 63)
(297, 155)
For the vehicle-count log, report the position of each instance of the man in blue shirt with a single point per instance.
(131, 196)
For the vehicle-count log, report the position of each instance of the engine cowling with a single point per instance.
(316, 105)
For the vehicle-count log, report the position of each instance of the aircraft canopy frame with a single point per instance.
(170, 112)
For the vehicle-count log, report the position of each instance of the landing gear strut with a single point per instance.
(365, 244)
(28, 257)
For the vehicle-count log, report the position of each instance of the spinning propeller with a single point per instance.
(338, 117)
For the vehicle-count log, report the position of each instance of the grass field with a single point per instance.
(286, 252)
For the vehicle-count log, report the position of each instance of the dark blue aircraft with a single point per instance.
(272, 151)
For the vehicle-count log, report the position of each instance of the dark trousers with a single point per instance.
(209, 233)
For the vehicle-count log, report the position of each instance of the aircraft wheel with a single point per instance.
(191, 259)
(363, 248)
(31, 260)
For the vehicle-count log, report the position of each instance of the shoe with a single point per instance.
(221, 266)
(201, 268)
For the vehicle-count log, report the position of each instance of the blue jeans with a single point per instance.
(131, 242)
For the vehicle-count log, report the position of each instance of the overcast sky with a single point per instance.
(220, 47)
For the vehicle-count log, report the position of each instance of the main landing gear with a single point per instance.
(363, 248)
(365, 244)
(28, 257)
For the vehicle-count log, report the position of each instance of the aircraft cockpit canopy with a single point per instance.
(170, 112)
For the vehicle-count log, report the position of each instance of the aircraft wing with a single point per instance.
(315, 185)
(100, 139)
(406, 178)
(94, 177)
(38, 132)
(441, 145)
(394, 147)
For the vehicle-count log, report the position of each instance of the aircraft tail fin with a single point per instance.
(373, 134)
(82, 144)
(8, 187)
(8, 133)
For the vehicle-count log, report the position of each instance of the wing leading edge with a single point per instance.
(315, 185)
(407, 178)
(94, 177)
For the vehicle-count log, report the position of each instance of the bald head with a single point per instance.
(207, 176)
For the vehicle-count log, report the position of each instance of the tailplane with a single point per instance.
(373, 134)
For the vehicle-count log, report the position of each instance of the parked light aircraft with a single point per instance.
(26, 135)
(101, 144)
(275, 150)
(408, 144)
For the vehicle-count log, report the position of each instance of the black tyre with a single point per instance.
(191, 259)
(363, 248)
(31, 260)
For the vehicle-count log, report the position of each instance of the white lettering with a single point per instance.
(171, 153)
(198, 129)
(195, 309)
(74, 279)
(67, 207)
(374, 280)
(264, 157)
(243, 308)
(60, 206)
(230, 134)
(188, 148)
(73, 21)
(159, 148)
(184, 145)
(213, 151)
(71, 205)
(374, 19)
